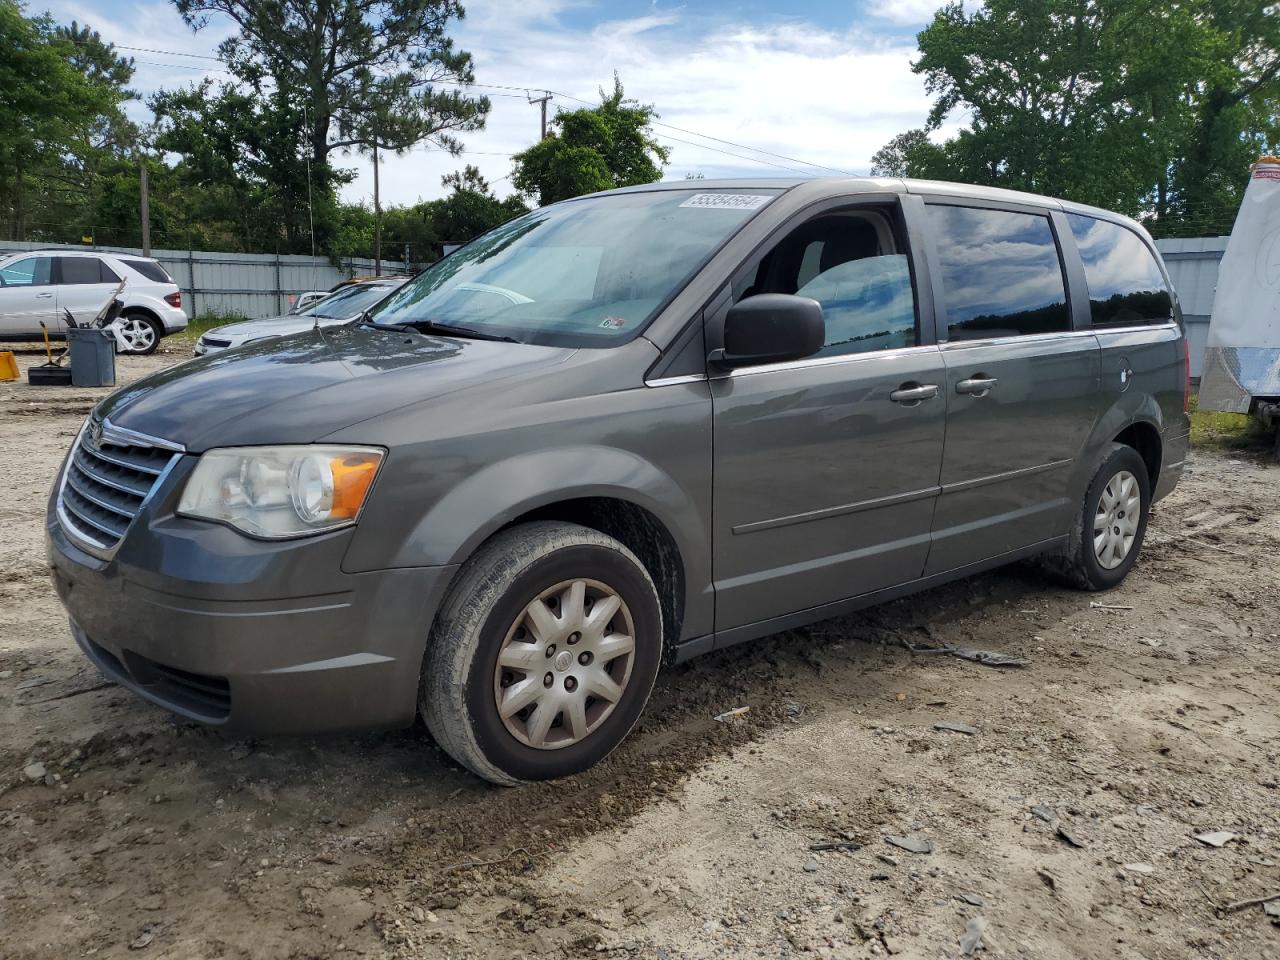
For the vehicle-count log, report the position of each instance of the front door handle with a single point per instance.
(976, 386)
(44, 296)
(913, 394)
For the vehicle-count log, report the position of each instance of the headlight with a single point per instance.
(278, 492)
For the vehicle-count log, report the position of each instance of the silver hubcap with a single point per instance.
(1115, 523)
(137, 333)
(564, 664)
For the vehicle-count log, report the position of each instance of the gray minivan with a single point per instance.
(618, 432)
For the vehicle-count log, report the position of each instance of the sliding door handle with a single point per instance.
(914, 393)
(976, 386)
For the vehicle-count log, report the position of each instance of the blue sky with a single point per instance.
(822, 82)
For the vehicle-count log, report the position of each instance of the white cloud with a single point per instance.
(827, 97)
(830, 97)
(911, 12)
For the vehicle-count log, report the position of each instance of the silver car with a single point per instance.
(43, 286)
(345, 305)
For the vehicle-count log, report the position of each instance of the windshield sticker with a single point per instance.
(728, 201)
(613, 323)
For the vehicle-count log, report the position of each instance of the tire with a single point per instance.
(1100, 555)
(517, 596)
(142, 330)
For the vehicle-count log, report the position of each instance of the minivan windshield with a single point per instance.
(348, 302)
(589, 272)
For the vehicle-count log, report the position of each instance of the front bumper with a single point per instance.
(204, 347)
(252, 637)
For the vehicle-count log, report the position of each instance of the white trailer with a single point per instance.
(1242, 360)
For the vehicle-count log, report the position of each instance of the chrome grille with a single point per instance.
(109, 476)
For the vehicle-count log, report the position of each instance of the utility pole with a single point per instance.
(542, 100)
(144, 194)
(377, 214)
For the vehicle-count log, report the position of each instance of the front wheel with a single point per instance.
(1110, 528)
(543, 654)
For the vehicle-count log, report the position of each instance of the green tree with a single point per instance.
(596, 148)
(61, 116)
(1235, 114)
(1059, 92)
(243, 162)
(907, 154)
(469, 209)
(357, 71)
(105, 143)
(1146, 107)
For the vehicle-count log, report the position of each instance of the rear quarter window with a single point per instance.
(152, 271)
(1125, 283)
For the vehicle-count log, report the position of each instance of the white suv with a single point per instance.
(42, 286)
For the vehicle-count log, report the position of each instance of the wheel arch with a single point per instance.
(1144, 437)
(146, 312)
(639, 530)
(615, 491)
(1131, 418)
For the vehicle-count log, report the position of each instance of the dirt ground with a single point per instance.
(1064, 823)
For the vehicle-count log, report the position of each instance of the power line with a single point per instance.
(181, 66)
(694, 133)
(171, 53)
(703, 146)
(528, 90)
(707, 136)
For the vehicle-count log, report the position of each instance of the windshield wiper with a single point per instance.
(455, 330)
(367, 321)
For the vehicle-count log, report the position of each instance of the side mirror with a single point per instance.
(771, 328)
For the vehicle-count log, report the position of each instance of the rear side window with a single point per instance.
(76, 270)
(152, 271)
(1001, 273)
(1125, 283)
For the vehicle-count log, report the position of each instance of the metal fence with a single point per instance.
(261, 285)
(256, 285)
(1193, 267)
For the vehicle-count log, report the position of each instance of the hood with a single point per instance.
(301, 388)
(272, 327)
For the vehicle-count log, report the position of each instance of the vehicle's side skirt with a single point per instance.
(763, 628)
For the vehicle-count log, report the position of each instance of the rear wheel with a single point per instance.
(543, 655)
(140, 332)
(1110, 528)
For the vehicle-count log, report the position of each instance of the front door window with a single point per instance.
(852, 263)
(27, 272)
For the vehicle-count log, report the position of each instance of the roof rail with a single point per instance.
(135, 256)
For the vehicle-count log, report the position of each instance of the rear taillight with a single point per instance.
(1186, 383)
(174, 300)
